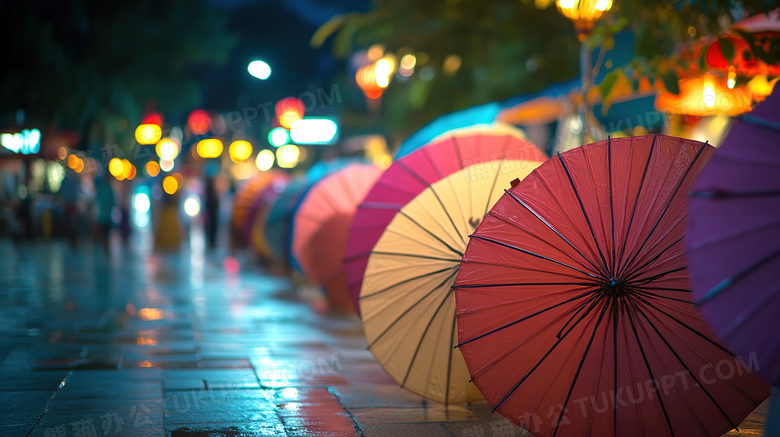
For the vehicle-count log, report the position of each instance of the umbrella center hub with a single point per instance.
(615, 287)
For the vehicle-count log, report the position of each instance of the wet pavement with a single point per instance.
(142, 344)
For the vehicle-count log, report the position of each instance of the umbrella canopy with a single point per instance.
(734, 238)
(407, 301)
(574, 309)
(410, 175)
(254, 225)
(278, 221)
(244, 203)
(321, 224)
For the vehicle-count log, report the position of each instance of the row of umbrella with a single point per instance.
(560, 289)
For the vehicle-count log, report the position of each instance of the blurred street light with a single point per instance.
(287, 156)
(170, 184)
(167, 148)
(314, 131)
(278, 136)
(239, 151)
(583, 13)
(209, 148)
(265, 160)
(259, 69)
(148, 134)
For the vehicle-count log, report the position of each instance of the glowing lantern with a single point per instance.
(289, 110)
(279, 136)
(198, 122)
(152, 168)
(79, 167)
(583, 13)
(366, 80)
(148, 134)
(710, 95)
(170, 184)
(72, 160)
(210, 148)
(127, 169)
(264, 160)
(62, 152)
(239, 151)
(167, 148)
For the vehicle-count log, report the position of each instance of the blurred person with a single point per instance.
(69, 190)
(211, 203)
(105, 199)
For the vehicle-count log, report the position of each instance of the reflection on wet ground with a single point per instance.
(141, 344)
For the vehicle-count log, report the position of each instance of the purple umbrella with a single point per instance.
(733, 241)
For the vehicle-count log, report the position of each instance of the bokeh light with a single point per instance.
(289, 110)
(141, 203)
(148, 134)
(209, 148)
(278, 137)
(62, 152)
(198, 122)
(166, 165)
(167, 148)
(152, 168)
(240, 150)
(192, 206)
(259, 69)
(287, 156)
(170, 184)
(115, 167)
(265, 160)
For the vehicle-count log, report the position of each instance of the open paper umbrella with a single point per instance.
(246, 197)
(278, 221)
(410, 175)
(734, 240)
(254, 225)
(574, 309)
(407, 301)
(321, 224)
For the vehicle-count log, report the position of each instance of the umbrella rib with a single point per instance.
(579, 369)
(685, 325)
(582, 306)
(580, 296)
(661, 275)
(457, 150)
(647, 293)
(650, 371)
(652, 325)
(515, 284)
(411, 255)
(611, 202)
(419, 179)
(430, 161)
(422, 337)
(722, 285)
(615, 319)
(536, 366)
(717, 195)
(414, 278)
(455, 251)
(636, 201)
(410, 308)
(500, 243)
(446, 211)
(546, 223)
(584, 214)
(634, 272)
(666, 208)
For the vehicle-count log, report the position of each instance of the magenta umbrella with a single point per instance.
(410, 175)
(733, 242)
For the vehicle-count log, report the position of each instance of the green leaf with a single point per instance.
(727, 48)
(326, 30)
(606, 85)
(671, 81)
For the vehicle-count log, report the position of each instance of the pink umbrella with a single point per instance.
(410, 175)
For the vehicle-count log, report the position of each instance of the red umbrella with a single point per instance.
(410, 175)
(574, 309)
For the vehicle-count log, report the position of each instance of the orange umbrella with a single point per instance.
(246, 197)
(321, 225)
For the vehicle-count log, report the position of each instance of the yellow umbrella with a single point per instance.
(407, 301)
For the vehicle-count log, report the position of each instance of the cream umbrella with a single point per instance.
(407, 300)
